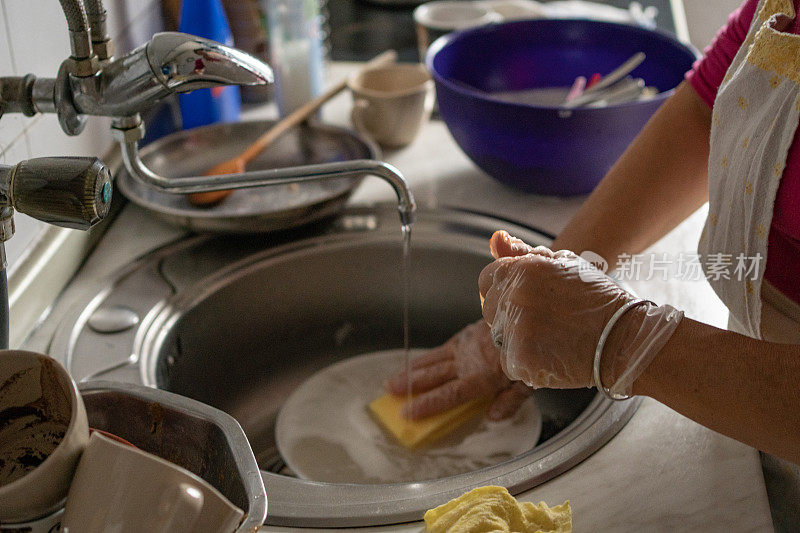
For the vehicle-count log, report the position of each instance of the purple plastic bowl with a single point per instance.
(540, 149)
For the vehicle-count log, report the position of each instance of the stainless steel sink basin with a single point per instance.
(239, 323)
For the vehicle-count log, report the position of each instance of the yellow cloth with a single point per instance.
(489, 509)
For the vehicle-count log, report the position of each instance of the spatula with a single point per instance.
(237, 164)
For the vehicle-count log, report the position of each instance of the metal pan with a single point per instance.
(262, 209)
(200, 438)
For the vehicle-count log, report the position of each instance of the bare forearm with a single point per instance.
(659, 180)
(741, 387)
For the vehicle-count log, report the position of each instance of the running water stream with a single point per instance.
(405, 273)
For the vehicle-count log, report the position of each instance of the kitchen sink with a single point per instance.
(240, 322)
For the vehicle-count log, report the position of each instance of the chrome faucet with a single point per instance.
(169, 63)
(92, 82)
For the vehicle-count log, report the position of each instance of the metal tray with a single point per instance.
(262, 209)
(191, 434)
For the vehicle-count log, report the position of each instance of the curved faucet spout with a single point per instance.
(279, 176)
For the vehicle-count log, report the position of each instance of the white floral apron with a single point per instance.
(753, 124)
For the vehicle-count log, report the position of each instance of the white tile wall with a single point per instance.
(33, 39)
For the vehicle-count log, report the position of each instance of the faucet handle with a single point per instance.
(184, 62)
(72, 192)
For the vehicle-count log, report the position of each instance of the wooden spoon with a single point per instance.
(237, 164)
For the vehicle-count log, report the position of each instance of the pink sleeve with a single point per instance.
(707, 73)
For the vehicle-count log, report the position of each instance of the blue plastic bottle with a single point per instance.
(206, 18)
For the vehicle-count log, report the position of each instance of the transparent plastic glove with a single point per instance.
(547, 311)
(467, 366)
(464, 368)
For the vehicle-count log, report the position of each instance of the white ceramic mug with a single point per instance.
(41, 440)
(118, 487)
(434, 19)
(391, 103)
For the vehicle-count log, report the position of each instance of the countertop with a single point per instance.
(662, 472)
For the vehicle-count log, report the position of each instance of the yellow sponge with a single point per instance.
(415, 433)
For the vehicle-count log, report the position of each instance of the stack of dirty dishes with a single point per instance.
(57, 473)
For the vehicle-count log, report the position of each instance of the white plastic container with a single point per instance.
(296, 37)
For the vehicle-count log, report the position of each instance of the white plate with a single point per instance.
(325, 432)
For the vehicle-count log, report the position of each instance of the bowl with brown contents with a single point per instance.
(43, 431)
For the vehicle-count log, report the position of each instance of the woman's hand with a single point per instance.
(547, 311)
(465, 367)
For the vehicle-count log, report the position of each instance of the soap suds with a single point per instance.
(325, 433)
